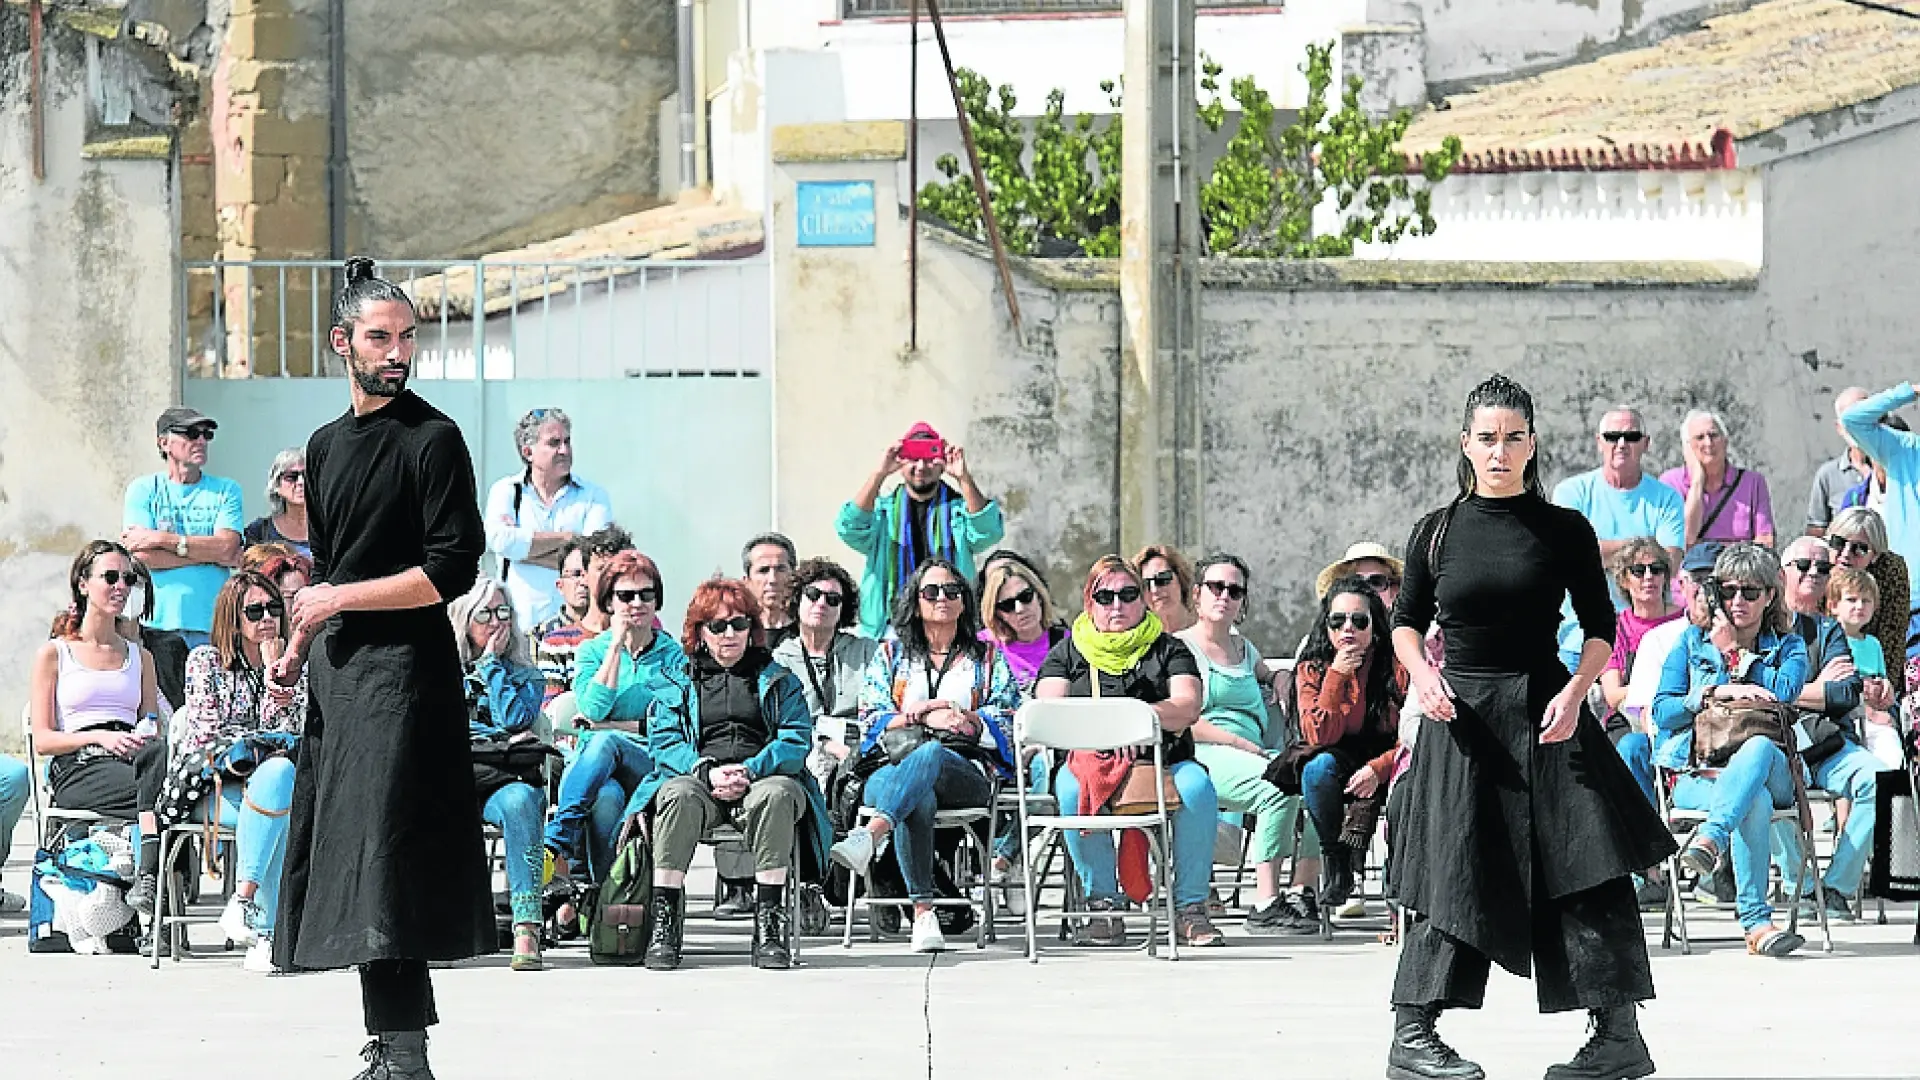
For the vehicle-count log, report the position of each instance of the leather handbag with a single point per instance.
(1136, 794)
(1723, 727)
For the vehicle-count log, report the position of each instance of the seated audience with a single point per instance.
(1118, 641)
(612, 686)
(729, 732)
(1858, 540)
(556, 642)
(830, 659)
(1235, 743)
(289, 573)
(1020, 616)
(938, 700)
(1747, 653)
(1643, 573)
(287, 495)
(767, 563)
(1723, 502)
(1167, 576)
(14, 792)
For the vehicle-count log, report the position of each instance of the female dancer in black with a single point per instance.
(1516, 830)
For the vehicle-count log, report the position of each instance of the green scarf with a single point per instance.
(1116, 652)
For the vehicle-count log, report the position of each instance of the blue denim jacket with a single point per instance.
(1696, 666)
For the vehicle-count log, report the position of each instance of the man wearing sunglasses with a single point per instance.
(185, 526)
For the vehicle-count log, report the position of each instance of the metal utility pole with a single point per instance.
(1159, 480)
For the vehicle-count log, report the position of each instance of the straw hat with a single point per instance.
(1357, 553)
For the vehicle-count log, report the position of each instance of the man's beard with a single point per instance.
(923, 492)
(372, 383)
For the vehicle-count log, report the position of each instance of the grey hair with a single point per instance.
(1639, 418)
(291, 457)
(778, 540)
(1755, 564)
(460, 613)
(530, 425)
(1799, 542)
(1862, 522)
(1707, 414)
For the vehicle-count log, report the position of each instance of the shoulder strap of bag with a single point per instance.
(519, 493)
(1726, 496)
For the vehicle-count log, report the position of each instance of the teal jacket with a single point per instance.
(630, 699)
(673, 738)
(875, 534)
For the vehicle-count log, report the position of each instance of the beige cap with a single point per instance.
(1357, 553)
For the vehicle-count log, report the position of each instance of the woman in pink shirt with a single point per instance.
(1723, 502)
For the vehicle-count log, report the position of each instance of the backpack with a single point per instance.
(621, 921)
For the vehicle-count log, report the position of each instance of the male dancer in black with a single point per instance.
(385, 867)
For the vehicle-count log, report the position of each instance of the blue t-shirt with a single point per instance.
(1869, 659)
(183, 597)
(1650, 508)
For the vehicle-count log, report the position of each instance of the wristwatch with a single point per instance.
(180, 548)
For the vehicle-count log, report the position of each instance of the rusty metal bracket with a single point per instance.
(36, 93)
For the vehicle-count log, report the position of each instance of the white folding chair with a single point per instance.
(1095, 724)
(971, 872)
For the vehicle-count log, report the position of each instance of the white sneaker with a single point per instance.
(236, 921)
(260, 957)
(855, 852)
(926, 933)
(1355, 908)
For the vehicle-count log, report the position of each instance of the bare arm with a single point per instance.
(870, 490)
(1051, 687)
(1207, 731)
(1613, 688)
(404, 591)
(1181, 710)
(160, 550)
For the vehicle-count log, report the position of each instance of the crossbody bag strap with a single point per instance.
(1726, 496)
(519, 494)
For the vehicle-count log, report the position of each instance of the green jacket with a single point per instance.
(875, 534)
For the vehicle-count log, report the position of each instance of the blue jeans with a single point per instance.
(1193, 827)
(1637, 751)
(593, 798)
(14, 792)
(1038, 783)
(257, 813)
(519, 810)
(931, 778)
(1739, 806)
(1323, 783)
(1849, 774)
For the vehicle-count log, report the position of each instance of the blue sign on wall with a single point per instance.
(835, 213)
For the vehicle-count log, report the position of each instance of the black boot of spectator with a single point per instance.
(1338, 866)
(1418, 1052)
(663, 945)
(1614, 1052)
(771, 924)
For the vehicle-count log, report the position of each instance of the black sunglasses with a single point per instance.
(1812, 567)
(1126, 594)
(1648, 569)
(294, 475)
(1378, 582)
(952, 590)
(1023, 597)
(830, 598)
(256, 612)
(1228, 589)
(115, 577)
(1161, 580)
(1359, 620)
(1750, 593)
(739, 624)
(197, 431)
(1629, 437)
(1842, 546)
(636, 596)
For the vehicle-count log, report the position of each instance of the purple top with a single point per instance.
(1023, 657)
(1749, 510)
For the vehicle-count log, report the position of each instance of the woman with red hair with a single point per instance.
(729, 732)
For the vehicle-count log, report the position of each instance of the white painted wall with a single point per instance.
(1481, 40)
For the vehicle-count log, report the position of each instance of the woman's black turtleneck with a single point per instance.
(732, 726)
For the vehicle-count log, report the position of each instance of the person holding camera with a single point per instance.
(1745, 654)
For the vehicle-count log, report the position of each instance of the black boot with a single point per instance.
(1338, 868)
(1418, 1053)
(663, 944)
(1614, 1052)
(771, 921)
(396, 1055)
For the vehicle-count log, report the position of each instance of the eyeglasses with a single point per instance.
(829, 597)
(1016, 601)
(1843, 547)
(1161, 580)
(1648, 569)
(637, 596)
(115, 577)
(1812, 567)
(293, 476)
(496, 613)
(1700, 577)
(1750, 593)
(1628, 437)
(196, 432)
(1359, 620)
(256, 612)
(952, 590)
(1229, 589)
(1379, 582)
(1126, 594)
(739, 624)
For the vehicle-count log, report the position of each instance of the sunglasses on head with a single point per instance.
(1378, 582)
(952, 590)
(1842, 546)
(645, 595)
(496, 613)
(1229, 589)
(197, 431)
(1812, 567)
(256, 612)
(1359, 620)
(1628, 437)
(1648, 569)
(116, 577)
(830, 597)
(1750, 593)
(1161, 580)
(1126, 594)
(1023, 597)
(739, 624)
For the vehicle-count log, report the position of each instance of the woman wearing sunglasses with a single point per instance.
(729, 733)
(1858, 540)
(1118, 641)
(504, 689)
(829, 657)
(941, 682)
(1235, 742)
(229, 698)
(287, 495)
(1745, 652)
(1167, 577)
(1021, 618)
(613, 686)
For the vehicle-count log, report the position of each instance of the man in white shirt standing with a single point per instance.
(530, 517)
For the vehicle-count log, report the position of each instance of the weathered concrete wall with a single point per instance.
(87, 263)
